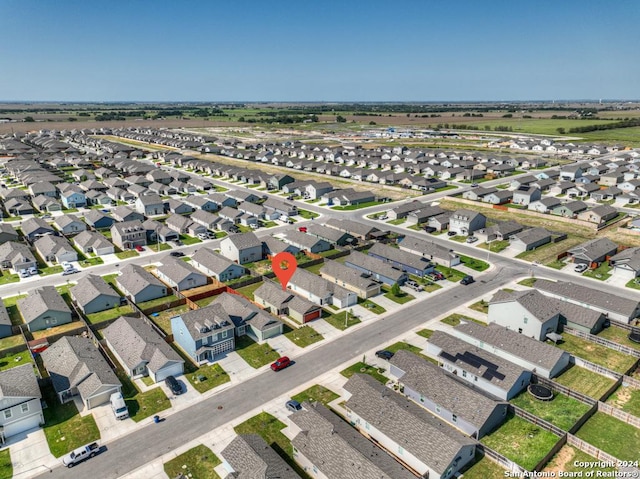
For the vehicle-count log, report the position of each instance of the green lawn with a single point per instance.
(329, 252)
(189, 240)
(495, 246)
(315, 269)
(302, 336)
(256, 355)
(601, 272)
(12, 360)
(158, 246)
(371, 306)
(611, 435)
(556, 264)
(12, 308)
(484, 469)
(6, 468)
(451, 274)
(363, 368)
(130, 253)
(50, 270)
(521, 442)
(613, 360)
(481, 306)
(627, 399)
(6, 277)
(455, 318)
(64, 428)
(633, 283)
(163, 318)
(584, 381)
(618, 335)
(316, 393)
(11, 341)
(249, 290)
(93, 261)
(474, 263)
(198, 462)
(567, 459)
(307, 215)
(338, 320)
(142, 405)
(156, 302)
(207, 377)
(112, 313)
(270, 429)
(528, 282)
(206, 301)
(430, 286)
(400, 299)
(562, 411)
(425, 333)
(399, 221)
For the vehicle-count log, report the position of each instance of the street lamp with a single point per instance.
(346, 318)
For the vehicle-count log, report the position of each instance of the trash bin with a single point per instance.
(156, 419)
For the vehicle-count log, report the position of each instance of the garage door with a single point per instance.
(101, 398)
(171, 370)
(312, 316)
(21, 425)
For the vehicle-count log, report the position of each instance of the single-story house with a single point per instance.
(140, 285)
(92, 294)
(44, 308)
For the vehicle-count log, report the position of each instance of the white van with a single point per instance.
(118, 406)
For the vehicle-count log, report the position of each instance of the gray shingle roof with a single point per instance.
(135, 341)
(347, 275)
(252, 458)
(177, 270)
(201, 321)
(427, 248)
(444, 389)
(483, 364)
(242, 311)
(33, 224)
(52, 245)
(589, 296)
(211, 260)
(532, 235)
(402, 257)
(317, 285)
(19, 382)
(244, 241)
(339, 450)
(301, 240)
(89, 288)
(273, 293)
(329, 234)
(594, 249)
(374, 265)
(424, 436)
(353, 227)
(91, 239)
(40, 301)
(135, 279)
(629, 257)
(519, 345)
(533, 301)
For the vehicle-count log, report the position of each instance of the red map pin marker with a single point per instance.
(284, 265)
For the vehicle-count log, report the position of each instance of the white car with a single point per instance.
(580, 268)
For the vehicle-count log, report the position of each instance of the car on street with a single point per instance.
(302, 229)
(580, 268)
(451, 233)
(384, 354)
(176, 254)
(471, 239)
(81, 454)
(474, 185)
(139, 248)
(69, 271)
(293, 405)
(467, 280)
(281, 363)
(173, 385)
(429, 229)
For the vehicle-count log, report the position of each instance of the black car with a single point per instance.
(451, 233)
(177, 254)
(429, 229)
(173, 385)
(467, 280)
(384, 354)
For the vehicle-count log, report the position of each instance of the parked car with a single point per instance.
(413, 285)
(474, 185)
(580, 268)
(436, 276)
(178, 243)
(467, 280)
(177, 254)
(281, 363)
(451, 233)
(69, 271)
(293, 405)
(430, 229)
(211, 235)
(139, 248)
(173, 385)
(81, 454)
(24, 273)
(384, 354)
(202, 236)
(471, 239)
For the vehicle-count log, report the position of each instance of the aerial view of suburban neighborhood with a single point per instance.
(234, 248)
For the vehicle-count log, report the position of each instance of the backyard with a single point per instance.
(618, 335)
(610, 359)
(163, 318)
(198, 462)
(521, 441)
(15, 359)
(586, 382)
(627, 399)
(569, 458)
(113, 313)
(484, 469)
(611, 435)
(562, 411)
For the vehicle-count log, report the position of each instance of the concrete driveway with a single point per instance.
(30, 454)
(236, 367)
(110, 427)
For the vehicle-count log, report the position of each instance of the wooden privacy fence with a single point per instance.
(619, 414)
(557, 387)
(603, 342)
(503, 461)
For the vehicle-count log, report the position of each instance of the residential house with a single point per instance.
(55, 248)
(92, 294)
(599, 215)
(569, 209)
(279, 207)
(5, 322)
(423, 214)
(593, 252)
(69, 224)
(530, 239)
(21, 401)
(440, 222)
(277, 301)
(77, 367)
(461, 406)
(183, 225)
(241, 195)
(350, 279)
(8, 233)
(403, 210)
(18, 207)
(539, 357)
(178, 207)
(44, 308)
(317, 189)
(179, 274)
(43, 188)
(73, 197)
(204, 218)
(129, 234)
(46, 204)
(124, 214)
(331, 235)
(217, 266)
(306, 242)
(572, 172)
(378, 269)
(248, 318)
(527, 312)
(356, 229)
(33, 228)
(139, 285)
(466, 222)
(626, 263)
(98, 220)
(430, 250)
(408, 262)
(320, 291)
(502, 231)
(498, 197)
(476, 194)
(16, 256)
(418, 439)
(491, 373)
(92, 242)
(544, 205)
(141, 350)
(277, 182)
(326, 446)
(524, 195)
(149, 205)
(242, 248)
(248, 455)
(230, 214)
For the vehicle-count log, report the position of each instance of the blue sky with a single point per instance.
(343, 50)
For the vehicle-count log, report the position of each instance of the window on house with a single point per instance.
(520, 330)
(7, 413)
(454, 418)
(526, 320)
(464, 374)
(24, 407)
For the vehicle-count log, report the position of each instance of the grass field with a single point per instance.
(474, 263)
(15, 359)
(521, 441)
(619, 336)
(256, 355)
(303, 336)
(112, 313)
(627, 399)
(207, 377)
(371, 306)
(562, 411)
(338, 320)
(6, 467)
(249, 290)
(586, 382)
(610, 359)
(316, 393)
(611, 435)
(198, 462)
(481, 306)
(11, 341)
(157, 302)
(425, 333)
(163, 318)
(362, 368)
(484, 468)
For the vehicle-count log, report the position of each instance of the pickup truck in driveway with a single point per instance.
(82, 453)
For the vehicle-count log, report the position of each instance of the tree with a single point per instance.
(372, 123)
(341, 119)
(29, 119)
(561, 131)
(395, 290)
